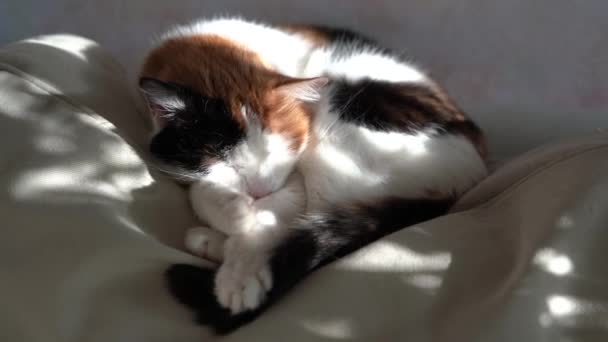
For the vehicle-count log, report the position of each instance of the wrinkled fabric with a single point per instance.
(88, 230)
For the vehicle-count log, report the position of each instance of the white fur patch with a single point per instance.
(391, 142)
(375, 66)
(244, 278)
(286, 52)
(263, 161)
(220, 201)
(383, 164)
(170, 104)
(224, 174)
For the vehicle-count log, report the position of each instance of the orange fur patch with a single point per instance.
(211, 65)
(290, 118)
(219, 68)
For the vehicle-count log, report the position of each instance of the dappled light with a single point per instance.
(337, 328)
(424, 281)
(32, 184)
(266, 218)
(572, 311)
(391, 142)
(86, 228)
(68, 157)
(379, 147)
(567, 311)
(89, 177)
(120, 154)
(128, 222)
(562, 305)
(403, 259)
(340, 161)
(565, 222)
(113, 170)
(55, 144)
(70, 43)
(553, 262)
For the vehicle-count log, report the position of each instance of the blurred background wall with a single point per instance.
(528, 71)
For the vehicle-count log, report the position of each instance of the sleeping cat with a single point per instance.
(301, 144)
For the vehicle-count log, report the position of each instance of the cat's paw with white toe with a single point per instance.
(242, 285)
(206, 243)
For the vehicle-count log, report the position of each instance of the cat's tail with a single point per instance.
(313, 242)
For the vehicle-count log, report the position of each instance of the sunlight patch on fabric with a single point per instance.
(424, 281)
(385, 256)
(562, 305)
(34, 183)
(337, 328)
(565, 222)
(570, 311)
(55, 144)
(68, 43)
(120, 154)
(553, 262)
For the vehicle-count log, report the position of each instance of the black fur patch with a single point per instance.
(193, 287)
(320, 239)
(346, 42)
(346, 37)
(198, 135)
(388, 106)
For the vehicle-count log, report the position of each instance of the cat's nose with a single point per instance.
(257, 189)
(258, 195)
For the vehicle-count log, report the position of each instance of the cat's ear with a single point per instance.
(163, 98)
(303, 89)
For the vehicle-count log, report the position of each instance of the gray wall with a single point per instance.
(527, 70)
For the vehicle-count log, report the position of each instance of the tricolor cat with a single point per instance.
(301, 144)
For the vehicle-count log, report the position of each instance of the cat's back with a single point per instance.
(295, 50)
(279, 49)
(384, 128)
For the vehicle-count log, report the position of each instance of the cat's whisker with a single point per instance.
(329, 127)
(174, 173)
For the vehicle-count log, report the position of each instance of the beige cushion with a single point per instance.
(87, 231)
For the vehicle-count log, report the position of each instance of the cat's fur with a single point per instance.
(302, 144)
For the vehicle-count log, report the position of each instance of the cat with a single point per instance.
(300, 144)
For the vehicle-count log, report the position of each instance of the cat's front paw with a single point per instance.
(244, 279)
(242, 290)
(206, 243)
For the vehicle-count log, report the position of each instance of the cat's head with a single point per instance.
(259, 138)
